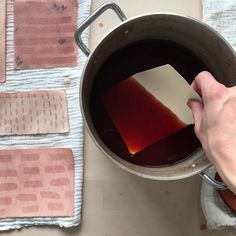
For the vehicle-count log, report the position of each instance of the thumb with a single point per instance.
(197, 109)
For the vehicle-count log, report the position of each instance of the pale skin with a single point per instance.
(215, 124)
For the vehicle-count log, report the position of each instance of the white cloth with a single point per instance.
(217, 213)
(26, 80)
(221, 15)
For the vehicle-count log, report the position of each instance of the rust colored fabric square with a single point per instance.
(36, 182)
(44, 33)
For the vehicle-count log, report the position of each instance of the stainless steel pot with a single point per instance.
(201, 39)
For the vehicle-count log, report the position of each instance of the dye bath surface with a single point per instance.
(122, 65)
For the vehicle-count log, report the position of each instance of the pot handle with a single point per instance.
(211, 181)
(91, 18)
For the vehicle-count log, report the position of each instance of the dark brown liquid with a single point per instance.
(122, 65)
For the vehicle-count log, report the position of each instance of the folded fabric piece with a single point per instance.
(44, 79)
(44, 33)
(221, 15)
(36, 182)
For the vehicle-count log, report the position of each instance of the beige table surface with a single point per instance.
(120, 204)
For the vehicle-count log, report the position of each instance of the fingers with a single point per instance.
(197, 110)
(202, 83)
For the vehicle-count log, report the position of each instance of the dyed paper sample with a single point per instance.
(170, 88)
(138, 116)
(36, 112)
(3, 41)
(36, 182)
(44, 33)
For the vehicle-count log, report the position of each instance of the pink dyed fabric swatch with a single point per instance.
(36, 112)
(44, 33)
(36, 182)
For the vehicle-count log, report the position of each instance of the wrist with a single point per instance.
(225, 164)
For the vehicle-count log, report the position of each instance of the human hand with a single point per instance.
(215, 124)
